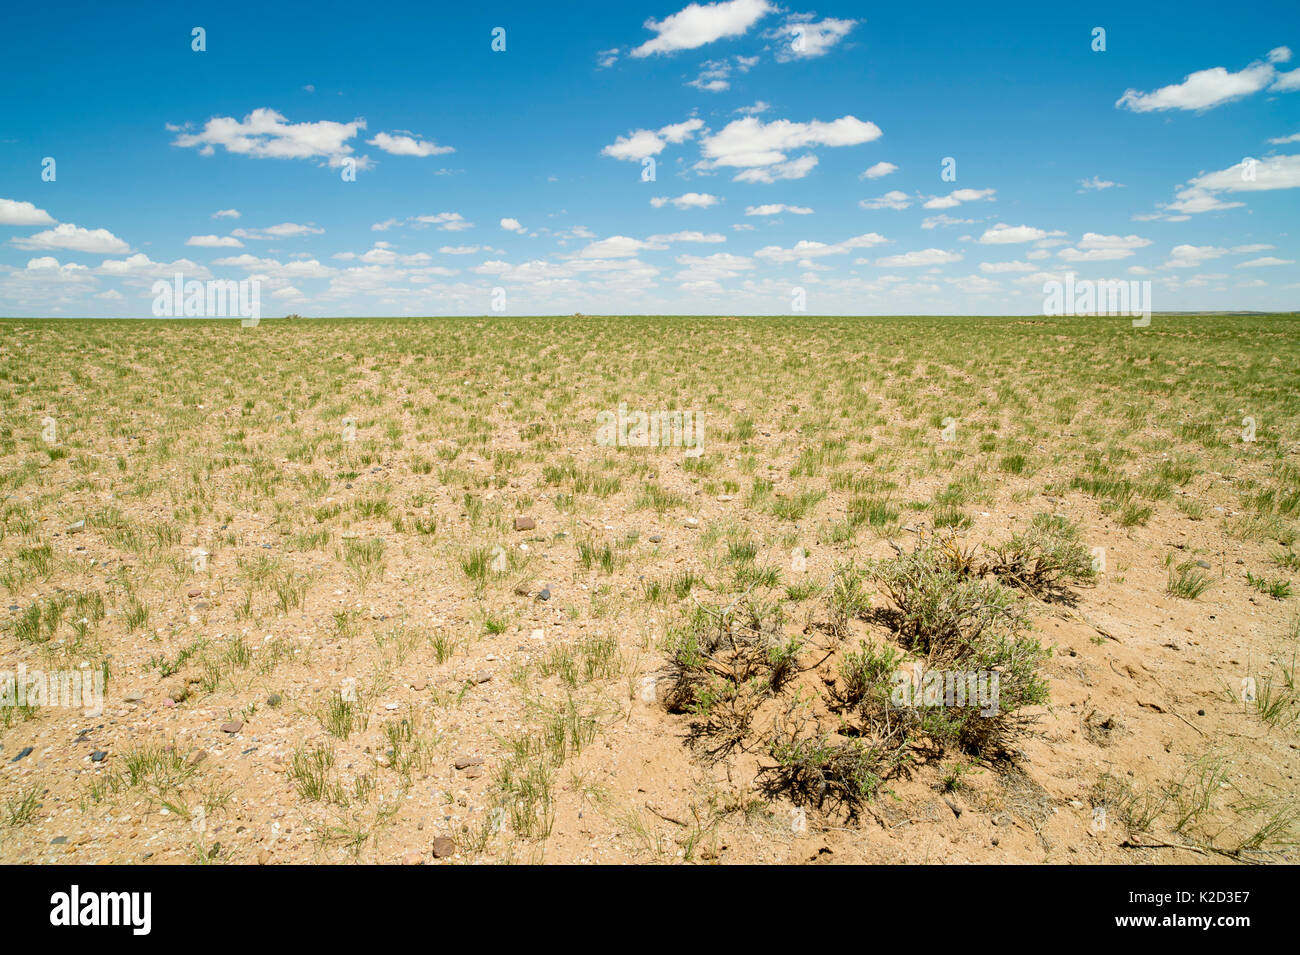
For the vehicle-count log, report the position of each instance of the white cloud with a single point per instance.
(226, 214)
(686, 236)
(266, 134)
(1094, 247)
(140, 266)
(994, 268)
(750, 142)
(688, 200)
(1192, 256)
(467, 249)
(214, 242)
(444, 221)
(957, 197)
(285, 230)
(920, 258)
(1265, 261)
(1283, 140)
(74, 239)
(1201, 194)
(1206, 89)
(1096, 183)
(890, 200)
(16, 212)
(640, 143)
(776, 209)
(699, 24)
(615, 247)
(512, 225)
(804, 38)
(1003, 234)
(943, 219)
(879, 170)
(607, 58)
(807, 249)
(794, 169)
(402, 145)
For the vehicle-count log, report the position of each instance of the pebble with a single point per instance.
(465, 762)
(273, 699)
(98, 756)
(544, 593)
(482, 676)
(234, 726)
(25, 751)
(524, 523)
(443, 847)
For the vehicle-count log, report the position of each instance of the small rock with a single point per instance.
(655, 538)
(692, 522)
(544, 593)
(234, 726)
(443, 847)
(414, 857)
(135, 696)
(524, 523)
(465, 762)
(419, 683)
(201, 605)
(98, 756)
(22, 753)
(273, 699)
(74, 528)
(482, 676)
(59, 841)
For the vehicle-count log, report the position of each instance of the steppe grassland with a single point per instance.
(271, 511)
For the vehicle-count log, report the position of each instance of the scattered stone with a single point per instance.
(273, 699)
(524, 523)
(952, 804)
(443, 847)
(544, 593)
(135, 696)
(195, 593)
(414, 857)
(264, 857)
(201, 605)
(1204, 564)
(59, 841)
(655, 538)
(482, 676)
(198, 758)
(234, 726)
(474, 772)
(465, 762)
(692, 522)
(22, 753)
(98, 756)
(74, 528)
(419, 683)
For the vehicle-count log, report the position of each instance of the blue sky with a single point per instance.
(794, 146)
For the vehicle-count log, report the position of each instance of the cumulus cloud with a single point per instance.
(267, 134)
(1192, 256)
(640, 143)
(406, 145)
(74, 239)
(688, 200)
(751, 143)
(214, 242)
(16, 212)
(879, 170)
(226, 214)
(1206, 89)
(957, 197)
(1202, 194)
(700, 24)
(1094, 247)
(776, 209)
(803, 37)
(807, 249)
(1003, 234)
(893, 199)
(285, 230)
(512, 225)
(919, 258)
